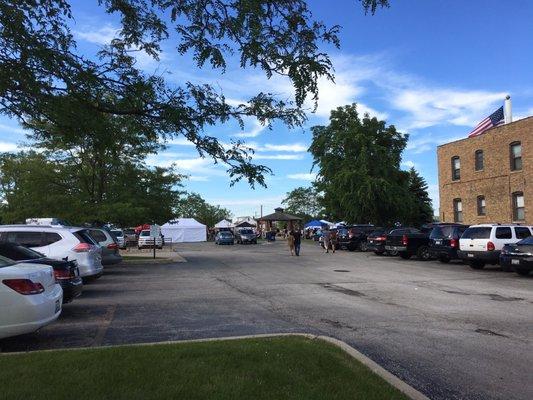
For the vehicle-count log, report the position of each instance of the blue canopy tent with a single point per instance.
(315, 224)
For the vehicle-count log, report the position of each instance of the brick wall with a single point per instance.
(496, 181)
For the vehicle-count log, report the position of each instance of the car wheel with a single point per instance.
(476, 264)
(392, 253)
(423, 253)
(378, 253)
(364, 246)
(405, 255)
(522, 271)
(444, 259)
(139, 248)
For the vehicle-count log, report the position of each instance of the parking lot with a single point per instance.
(449, 331)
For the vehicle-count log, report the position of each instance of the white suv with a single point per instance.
(482, 244)
(58, 243)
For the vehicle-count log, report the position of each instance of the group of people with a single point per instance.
(294, 239)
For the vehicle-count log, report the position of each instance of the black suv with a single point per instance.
(354, 237)
(444, 241)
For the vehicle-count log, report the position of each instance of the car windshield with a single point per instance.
(247, 232)
(145, 233)
(480, 232)
(526, 241)
(116, 233)
(225, 234)
(5, 262)
(16, 252)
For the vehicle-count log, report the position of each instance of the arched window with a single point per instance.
(478, 160)
(515, 155)
(519, 210)
(456, 168)
(480, 205)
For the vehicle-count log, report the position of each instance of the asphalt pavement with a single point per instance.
(449, 331)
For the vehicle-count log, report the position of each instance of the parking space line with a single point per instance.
(102, 330)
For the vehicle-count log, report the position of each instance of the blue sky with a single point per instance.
(433, 69)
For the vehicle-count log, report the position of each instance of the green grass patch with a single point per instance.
(273, 368)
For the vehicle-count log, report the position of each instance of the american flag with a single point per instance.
(494, 119)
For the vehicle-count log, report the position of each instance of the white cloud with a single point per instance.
(180, 141)
(256, 129)
(258, 156)
(409, 164)
(293, 148)
(302, 176)
(12, 129)
(417, 145)
(102, 36)
(8, 147)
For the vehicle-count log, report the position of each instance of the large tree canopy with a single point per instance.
(304, 202)
(359, 173)
(194, 206)
(41, 69)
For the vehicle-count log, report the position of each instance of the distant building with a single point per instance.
(488, 178)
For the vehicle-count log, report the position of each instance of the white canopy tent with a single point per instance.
(224, 224)
(184, 230)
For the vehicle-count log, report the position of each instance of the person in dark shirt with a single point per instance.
(297, 241)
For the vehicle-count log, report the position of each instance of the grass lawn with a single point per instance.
(271, 368)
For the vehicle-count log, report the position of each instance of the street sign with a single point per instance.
(155, 230)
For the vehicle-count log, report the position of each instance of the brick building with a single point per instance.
(488, 178)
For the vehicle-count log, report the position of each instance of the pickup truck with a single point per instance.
(409, 242)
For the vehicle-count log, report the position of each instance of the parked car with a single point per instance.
(375, 241)
(118, 235)
(224, 237)
(130, 236)
(59, 243)
(243, 236)
(147, 241)
(409, 242)
(354, 237)
(444, 241)
(66, 273)
(110, 252)
(30, 298)
(518, 256)
(482, 244)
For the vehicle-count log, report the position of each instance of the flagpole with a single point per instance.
(508, 113)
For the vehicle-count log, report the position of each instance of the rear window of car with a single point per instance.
(27, 239)
(145, 233)
(17, 253)
(225, 234)
(84, 237)
(117, 233)
(377, 232)
(480, 232)
(98, 235)
(446, 231)
(51, 238)
(522, 232)
(246, 232)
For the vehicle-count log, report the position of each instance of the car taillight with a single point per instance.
(454, 243)
(112, 246)
(24, 286)
(490, 246)
(381, 238)
(405, 240)
(82, 248)
(63, 274)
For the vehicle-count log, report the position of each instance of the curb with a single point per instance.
(391, 379)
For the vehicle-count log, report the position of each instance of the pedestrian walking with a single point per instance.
(297, 235)
(326, 239)
(290, 241)
(333, 239)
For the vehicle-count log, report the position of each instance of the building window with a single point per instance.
(480, 205)
(457, 210)
(456, 168)
(518, 207)
(516, 156)
(478, 160)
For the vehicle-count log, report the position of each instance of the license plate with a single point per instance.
(58, 306)
(470, 255)
(515, 262)
(438, 242)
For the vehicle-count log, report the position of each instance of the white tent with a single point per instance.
(224, 224)
(184, 230)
